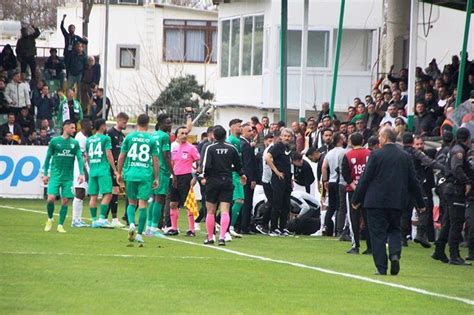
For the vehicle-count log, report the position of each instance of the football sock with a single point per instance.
(131, 213)
(114, 206)
(235, 212)
(93, 211)
(62, 214)
(210, 223)
(157, 207)
(142, 220)
(77, 205)
(225, 219)
(190, 220)
(103, 211)
(149, 216)
(174, 214)
(50, 208)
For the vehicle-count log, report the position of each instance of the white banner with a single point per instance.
(20, 171)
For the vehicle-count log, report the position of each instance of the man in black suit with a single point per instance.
(250, 170)
(384, 189)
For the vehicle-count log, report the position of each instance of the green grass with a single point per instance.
(81, 272)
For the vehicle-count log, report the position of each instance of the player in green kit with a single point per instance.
(62, 152)
(100, 158)
(238, 195)
(139, 162)
(162, 139)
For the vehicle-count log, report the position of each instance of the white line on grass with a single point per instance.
(332, 272)
(303, 266)
(119, 256)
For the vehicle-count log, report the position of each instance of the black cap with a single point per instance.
(447, 136)
(463, 134)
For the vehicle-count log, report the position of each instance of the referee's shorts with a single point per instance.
(219, 189)
(180, 193)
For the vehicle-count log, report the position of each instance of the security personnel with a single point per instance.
(470, 209)
(457, 188)
(421, 162)
(441, 157)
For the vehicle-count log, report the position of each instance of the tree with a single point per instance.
(36, 12)
(179, 94)
(183, 94)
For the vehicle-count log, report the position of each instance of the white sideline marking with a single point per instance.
(303, 266)
(328, 271)
(119, 256)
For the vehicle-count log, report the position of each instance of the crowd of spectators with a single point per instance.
(34, 105)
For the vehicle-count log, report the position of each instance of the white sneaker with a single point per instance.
(227, 237)
(148, 232)
(166, 229)
(197, 227)
(218, 227)
(317, 233)
(234, 233)
(139, 240)
(117, 224)
(132, 232)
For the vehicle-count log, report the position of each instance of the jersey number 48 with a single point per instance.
(140, 152)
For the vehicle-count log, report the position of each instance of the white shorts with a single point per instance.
(83, 185)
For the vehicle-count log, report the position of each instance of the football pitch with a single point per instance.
(93, 271)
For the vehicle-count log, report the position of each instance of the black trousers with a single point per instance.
(355, 217)
(267, 189)
(203, 210)
(31, 62)
(246, 213)
(337, 205)
(425, 219)
(428, 215)
(384, 226)
(470, 228)
(453, 221)
(280, 202)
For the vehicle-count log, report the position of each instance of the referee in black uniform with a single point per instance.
(117, 136)
(220, 160)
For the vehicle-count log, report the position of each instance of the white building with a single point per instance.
(249, 75)
(148, 45)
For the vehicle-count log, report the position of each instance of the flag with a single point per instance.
(191, 203)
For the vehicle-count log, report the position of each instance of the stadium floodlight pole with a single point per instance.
(106, 50)
(336, 60)
(462, 67)
(304, 55)
(412, 62)
(283, 52)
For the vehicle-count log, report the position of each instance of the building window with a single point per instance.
(128, 1)
(318, 49)
(356, 49)
(249, 31)
(189, 41)
(127, 56)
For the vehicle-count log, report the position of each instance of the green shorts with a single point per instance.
(100, 185)
(65, 187)
(163, 188)
(238, 188)
(138, 190)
